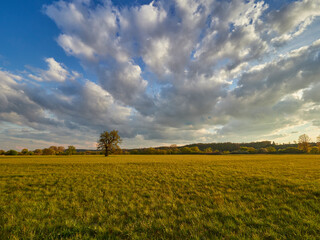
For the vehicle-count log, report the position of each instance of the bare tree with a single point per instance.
(303, 142)
(318, 142)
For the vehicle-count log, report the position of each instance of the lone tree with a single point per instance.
(108, 142)
(304, 141)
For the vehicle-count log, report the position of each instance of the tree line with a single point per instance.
(52, 150)
(108, 143)
(303, 145)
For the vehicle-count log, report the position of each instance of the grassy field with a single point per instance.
(160, 197)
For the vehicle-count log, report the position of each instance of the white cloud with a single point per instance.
(266, 98)
(57, 114)
(56, 71)
(36, 78)
(74, 46)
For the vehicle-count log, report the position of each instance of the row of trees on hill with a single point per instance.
(304, 145)
(209, 150)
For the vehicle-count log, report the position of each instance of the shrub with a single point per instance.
(271, 150)
(208, 150)
(38, 151)
(292, 150)
(11, 152)
(263, 150)
(247, 150)
(24, 151)
(186, 150)
(48, 151)
(314, 150)
(195, 149)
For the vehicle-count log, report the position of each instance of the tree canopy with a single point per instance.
(71, 150)
(109, 142)
(304, 141)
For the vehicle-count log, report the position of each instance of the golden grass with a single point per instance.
(160, 197)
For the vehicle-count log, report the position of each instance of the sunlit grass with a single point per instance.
(160, 197)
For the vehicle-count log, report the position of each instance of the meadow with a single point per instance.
(160, 197)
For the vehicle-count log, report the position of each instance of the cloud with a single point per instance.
(58, 114)
(56, 72)
(312, 94)
(16, 107)
(268, 97)
(293, 19)
(172, 71)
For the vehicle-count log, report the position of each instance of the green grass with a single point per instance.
(160, 197)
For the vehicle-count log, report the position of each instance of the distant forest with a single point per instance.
(232, 148)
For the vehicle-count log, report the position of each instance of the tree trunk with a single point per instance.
(106, 153)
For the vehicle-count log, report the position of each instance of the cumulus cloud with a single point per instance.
(61, 113)
(269, 96)
(56, 72)
(176, 71)
(16, 107)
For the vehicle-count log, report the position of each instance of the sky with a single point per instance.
(160, 72)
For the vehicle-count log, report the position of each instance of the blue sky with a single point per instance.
(160, 72)
(29, 36)
(19, 47)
